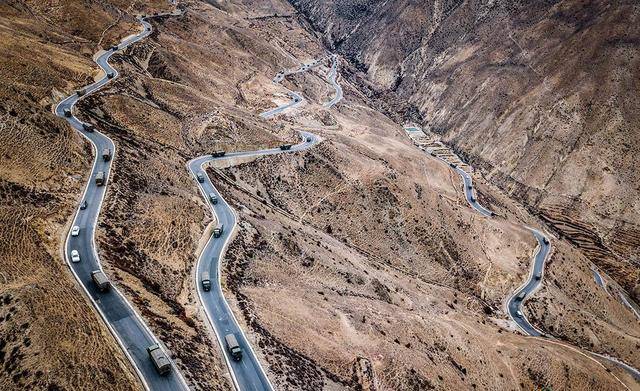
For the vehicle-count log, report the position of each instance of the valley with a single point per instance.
(355, 254)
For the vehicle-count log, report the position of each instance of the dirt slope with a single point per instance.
(551, 84)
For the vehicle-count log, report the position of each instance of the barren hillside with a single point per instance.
(356, 264)
(552, 85)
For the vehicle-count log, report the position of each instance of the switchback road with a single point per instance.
(247, 373)
(123, 321)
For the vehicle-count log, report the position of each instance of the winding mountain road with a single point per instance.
(296, 97)
(331, 77)
(123, 321)
(533, 282)
(247, 373)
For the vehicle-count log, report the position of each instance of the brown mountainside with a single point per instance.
(542, 96)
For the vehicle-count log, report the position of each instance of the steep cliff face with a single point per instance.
(541, 96)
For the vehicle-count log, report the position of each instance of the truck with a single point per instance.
(81, 92)
(200, 177)
(218, 153)
(159, 360)
(213, 198)
(538, 276)
(285, 147)
(106, 154)
(114, 47)
(206, 281)
(101, 280)
(545, 240)
(110, 75)
(88, 127)
(100, 178)
(521, 296)
(233, 347)
(452, 165)
(217, 231)
(67, 112)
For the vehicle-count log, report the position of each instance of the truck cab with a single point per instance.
(159, 359)
(217, 231)
(206, 282)
(233, 347)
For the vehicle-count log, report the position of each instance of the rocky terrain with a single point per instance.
(356, 265)
(552, 84)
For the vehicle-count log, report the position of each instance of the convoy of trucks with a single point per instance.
(101, 280)
(206, 281)
(159, 359)
(233, 347)
(217, 231)
(106, 154)
(100, 176)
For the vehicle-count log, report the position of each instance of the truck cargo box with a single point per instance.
(217, 231)
(100, 177)
(206, 281)
(159, 359)
(101, 280)
(233, 347)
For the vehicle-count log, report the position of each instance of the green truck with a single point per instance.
(233, 347)
(206, 281)
(159, 359)
(217, 231)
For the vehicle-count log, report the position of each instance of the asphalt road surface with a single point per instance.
(296, 100)
(331, 77)
(125, 324)
(296, 97)
(535, 279)
(247, 373)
